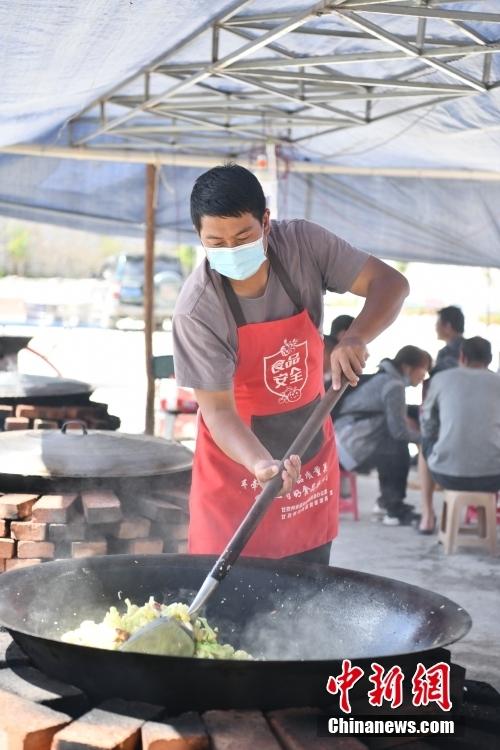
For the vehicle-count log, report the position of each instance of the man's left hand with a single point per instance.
(348, 358)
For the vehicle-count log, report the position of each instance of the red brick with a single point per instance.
(45, 550)
(160, 510)
(29, 683)
(175, 547)
(175, 532)
(27, 725)
(54, 508)
(6, 411)
(91, 411)
(16, 506)
(185, 732)
(245, 730)
(89, 549)
(115, 725)
(57, 413)
(4, 527)
(7, 548)
(135, 527)
(101, 507)
(137, 546)
(26, 410)
(17, 563)
(177, 497)
(297, 729)
(30, 531)
(62, 551)
(16, 423)
(67, 532)
(45, 424)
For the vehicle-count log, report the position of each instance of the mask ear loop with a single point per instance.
(265, 242)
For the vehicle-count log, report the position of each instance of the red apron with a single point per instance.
(278, 381)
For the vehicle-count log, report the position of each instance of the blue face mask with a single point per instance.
(237, 262)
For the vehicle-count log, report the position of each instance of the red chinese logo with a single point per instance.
(343, 683)
(285, 371)
(388, 687)
(432, 685)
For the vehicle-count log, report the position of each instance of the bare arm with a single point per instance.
(385, 290)
(238, 441)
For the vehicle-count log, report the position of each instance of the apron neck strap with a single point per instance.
(286, 282)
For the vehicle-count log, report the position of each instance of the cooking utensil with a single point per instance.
(170, 637)
(88, 454)
(17, 387)
(299, 621)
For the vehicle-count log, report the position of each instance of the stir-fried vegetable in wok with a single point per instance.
(116, 628)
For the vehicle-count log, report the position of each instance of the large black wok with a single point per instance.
(300, 620)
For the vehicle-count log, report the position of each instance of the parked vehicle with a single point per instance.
(124, 291)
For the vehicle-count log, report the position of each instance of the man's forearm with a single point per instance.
(384, 300)
(235, 439)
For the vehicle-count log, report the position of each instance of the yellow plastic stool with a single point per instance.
(453, 535)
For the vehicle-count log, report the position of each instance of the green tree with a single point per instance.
(187, 257)
(17, 246)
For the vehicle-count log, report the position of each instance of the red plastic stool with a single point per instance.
(471, 513)
(349, 504)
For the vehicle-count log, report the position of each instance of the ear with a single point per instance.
(266, 222)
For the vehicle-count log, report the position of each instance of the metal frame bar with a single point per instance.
(247, 49)
(206, 161)
(270, 63)
(423, 11)
(272, 99)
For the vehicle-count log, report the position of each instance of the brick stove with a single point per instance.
(139, 518)
(40, 713)
(25, 416)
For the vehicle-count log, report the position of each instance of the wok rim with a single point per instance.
(288, 567)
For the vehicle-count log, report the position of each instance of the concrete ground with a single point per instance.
(470, 577)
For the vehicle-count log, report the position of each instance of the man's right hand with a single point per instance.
(237, 440)
(268, 468)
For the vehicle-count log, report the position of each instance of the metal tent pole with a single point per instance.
(149, 294)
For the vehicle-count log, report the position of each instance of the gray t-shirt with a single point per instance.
(204, 332)
(462, 412)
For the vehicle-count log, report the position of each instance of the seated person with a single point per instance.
(338, 328)
(372, 430)
(460, 424)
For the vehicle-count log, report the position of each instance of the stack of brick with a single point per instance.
(167, 511)
(39, 417)
(36, 528)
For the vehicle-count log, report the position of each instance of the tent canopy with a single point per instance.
(384, 115)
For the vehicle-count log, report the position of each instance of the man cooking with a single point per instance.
(247, 338)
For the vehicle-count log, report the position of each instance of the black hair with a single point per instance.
(229, 190)
(341, 323)
(477, 349)
(412, 356)
(454, 316)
